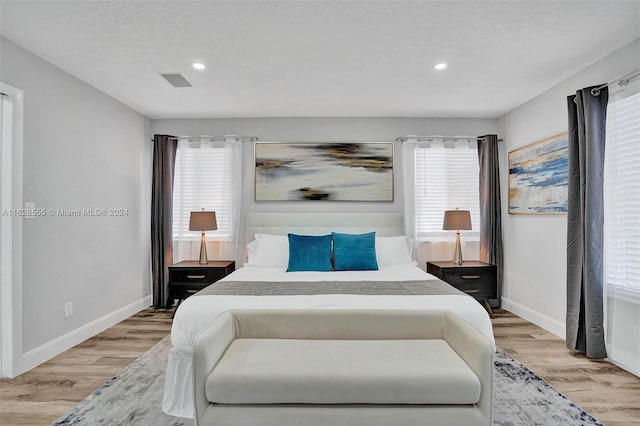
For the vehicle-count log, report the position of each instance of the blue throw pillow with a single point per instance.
(354, 252)
(309, 253)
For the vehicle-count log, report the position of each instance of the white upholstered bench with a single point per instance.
(342, 367)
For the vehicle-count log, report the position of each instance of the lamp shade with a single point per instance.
(456, 220)
(203, 221)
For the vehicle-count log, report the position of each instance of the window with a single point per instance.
(202, 179)
(622, 191)
(445, 178)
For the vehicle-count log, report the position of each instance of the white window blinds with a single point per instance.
(445, 178)
(622, 191)
(202, 179)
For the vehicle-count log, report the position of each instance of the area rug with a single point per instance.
(134, 397)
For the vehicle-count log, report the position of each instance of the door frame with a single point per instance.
(11, 190)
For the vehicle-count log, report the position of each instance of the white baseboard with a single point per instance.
(551, 325)
(631, 366)
(45, 352)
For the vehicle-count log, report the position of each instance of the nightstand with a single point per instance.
(475, 278)
(189, 276)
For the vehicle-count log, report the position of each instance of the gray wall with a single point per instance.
(535, 246)
(82, 150)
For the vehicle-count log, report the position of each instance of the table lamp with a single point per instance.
(457, 220)
(203, 221)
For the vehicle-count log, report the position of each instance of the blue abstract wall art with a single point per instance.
(538, 177)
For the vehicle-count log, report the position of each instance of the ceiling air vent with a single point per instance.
(176, 79)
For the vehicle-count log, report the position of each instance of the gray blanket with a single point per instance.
(260, 288)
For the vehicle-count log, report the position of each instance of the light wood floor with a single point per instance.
(605, 391)
(45, 393)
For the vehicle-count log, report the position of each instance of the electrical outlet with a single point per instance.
(68, 309)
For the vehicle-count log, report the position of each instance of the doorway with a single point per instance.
(11, 113)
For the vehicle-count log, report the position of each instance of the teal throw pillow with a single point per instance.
(354, 252)
(309, 253)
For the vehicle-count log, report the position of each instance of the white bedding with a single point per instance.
(195, 313)
(405, 272)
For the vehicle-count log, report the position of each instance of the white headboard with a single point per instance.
(384, 224)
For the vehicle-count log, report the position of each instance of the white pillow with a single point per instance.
(268, 252)
(258, 236)
(394, 251)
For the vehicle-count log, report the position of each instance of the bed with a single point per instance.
(263, 283)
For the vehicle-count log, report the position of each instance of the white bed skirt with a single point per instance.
(178, 385)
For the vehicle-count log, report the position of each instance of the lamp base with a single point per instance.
(457, 252)
(203, 250)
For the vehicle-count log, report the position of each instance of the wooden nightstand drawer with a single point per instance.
(196, 275)
(477, 279)
(189, 276)
(470, 277)
(477, 289)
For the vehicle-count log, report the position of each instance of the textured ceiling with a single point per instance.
(322, 58)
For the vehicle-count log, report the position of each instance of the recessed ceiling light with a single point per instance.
(198, 65)
(440, 66)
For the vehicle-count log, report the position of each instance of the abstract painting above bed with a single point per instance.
(336, 171)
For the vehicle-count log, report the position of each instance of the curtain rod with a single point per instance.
(622, 81)
(440, 137)
(216, 138)
(398, 139)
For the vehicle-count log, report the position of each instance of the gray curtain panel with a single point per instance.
(587, 119)
(490, 212)
(164, 159)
